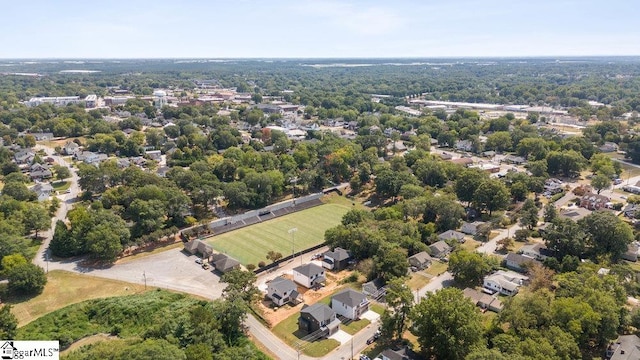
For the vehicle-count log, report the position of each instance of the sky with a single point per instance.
(317, 28)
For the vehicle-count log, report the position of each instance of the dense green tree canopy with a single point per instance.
(447, 324)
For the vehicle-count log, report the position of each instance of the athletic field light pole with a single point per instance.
(292, 231)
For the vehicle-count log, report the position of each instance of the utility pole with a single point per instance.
(294, 181)
(144, 275)
(292, 231)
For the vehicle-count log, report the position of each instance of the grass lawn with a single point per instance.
(417, 281)
(341, 200)
(287, 330)
(65, 288)
(377, 308)
(436, 268)
(355, 326)
(470, 245)
(517, 245)
(250, 245)
(61, 185)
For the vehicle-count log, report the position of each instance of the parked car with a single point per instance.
(364, 357)
(199, 261)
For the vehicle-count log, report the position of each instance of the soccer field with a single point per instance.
(251, 244)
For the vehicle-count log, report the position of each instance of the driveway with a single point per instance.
(341, 336)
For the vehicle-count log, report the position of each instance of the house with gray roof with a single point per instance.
(403, 353)
(440, 249)
(318, 319)
(626, 347)
(309, 275)
(452, 235)
(224, 263)
(43, 190)
(194, 247)
(24, 156)
(483, 300)
(282, 291)
(470, 228)
(374, 288)
(536, 251)
(337, 259)
(514, 159)
(42, 136)
(518, 262)
(420, 261)
(350, 304)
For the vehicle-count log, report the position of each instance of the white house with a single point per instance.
(536, 251)
(309, 275)
(43, 190)
(350, 304)
(504, 282)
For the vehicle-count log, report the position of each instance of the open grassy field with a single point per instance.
(250, 245)
(65, 288)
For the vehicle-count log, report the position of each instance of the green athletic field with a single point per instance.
(251, 244)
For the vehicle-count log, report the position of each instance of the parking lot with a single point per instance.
(171, 269)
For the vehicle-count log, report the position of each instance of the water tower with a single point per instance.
(160, 98)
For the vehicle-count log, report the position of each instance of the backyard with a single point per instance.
(251, 244)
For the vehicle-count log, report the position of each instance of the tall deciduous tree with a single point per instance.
(240, 285)
(468, 268)
(391, 262)
(565, 237)
(399, 299)
(550, 212)
(36, 218)
(27, 279)
(447, 324)
(491, 195)
(529, 217)
(601, 182)
(607, 234)
(467, 182)
(62, 172)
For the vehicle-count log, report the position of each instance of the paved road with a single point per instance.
(66, 204)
